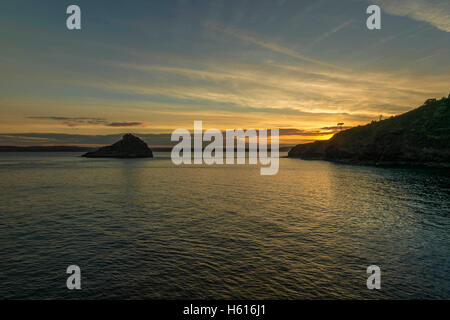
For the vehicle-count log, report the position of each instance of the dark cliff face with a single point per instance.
(417, 137)
(129, 147)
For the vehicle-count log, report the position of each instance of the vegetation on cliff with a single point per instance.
(420, 136)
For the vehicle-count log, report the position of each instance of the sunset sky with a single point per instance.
(149, 67)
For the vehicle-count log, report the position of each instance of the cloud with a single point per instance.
(331, 32)
(72, 122)
(307, 133)
(271, 46)
(225, 94)
(84, 121)
(126, 124)
(435, 12)
(280, 88)
(52, 139)
(337, 128)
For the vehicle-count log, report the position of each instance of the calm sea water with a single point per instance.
(146, 229)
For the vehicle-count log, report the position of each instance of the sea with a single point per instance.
(148, 229)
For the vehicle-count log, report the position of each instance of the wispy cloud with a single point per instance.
(283, 88)
(336, 128)
(126, 124)
(52, 139)
(330, 33)
(435, 12)
(71, 121)
(311, 132)
(268, 45)
(85, 121)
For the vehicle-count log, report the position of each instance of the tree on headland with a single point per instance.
(340, 124)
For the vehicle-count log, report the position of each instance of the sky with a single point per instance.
(149, 67)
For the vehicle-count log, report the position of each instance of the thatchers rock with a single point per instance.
(129, 147)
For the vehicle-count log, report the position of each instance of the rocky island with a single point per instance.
(418, 137)
(129, 147)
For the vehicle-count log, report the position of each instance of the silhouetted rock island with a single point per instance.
(418, 137)
(129, 147)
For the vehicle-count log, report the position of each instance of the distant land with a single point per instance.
(418, 137)
(85, 149)
(44, 149)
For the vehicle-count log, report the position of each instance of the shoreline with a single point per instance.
(381, 164)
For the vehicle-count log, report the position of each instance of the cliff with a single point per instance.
(129, 147)
(418, 137)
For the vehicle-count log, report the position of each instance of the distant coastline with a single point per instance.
(44, 149)
(61, 149)
(85, 149)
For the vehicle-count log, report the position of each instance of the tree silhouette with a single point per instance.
(340, 124)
